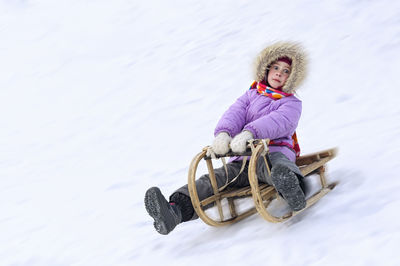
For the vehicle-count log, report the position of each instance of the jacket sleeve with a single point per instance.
(234, 119)
(279, 123)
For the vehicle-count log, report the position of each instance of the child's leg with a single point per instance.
(287, 179)
(167, 215)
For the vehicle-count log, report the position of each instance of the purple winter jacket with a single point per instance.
(264, 118)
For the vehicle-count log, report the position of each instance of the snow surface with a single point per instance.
(101, 100)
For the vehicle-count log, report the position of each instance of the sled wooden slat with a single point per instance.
(310, 158)
(239, 193)
(194, 197)
(242, 216)
(321, 172)
(317, 196)
(227, 194)
(229, 154)
(215, 187)
(232, 207)
(267, 193)
(313, 166)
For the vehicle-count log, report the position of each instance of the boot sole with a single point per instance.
(153, 208)
(287, 183)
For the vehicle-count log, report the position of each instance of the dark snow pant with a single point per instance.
(204, 188)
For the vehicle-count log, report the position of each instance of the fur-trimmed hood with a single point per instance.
(277, 50)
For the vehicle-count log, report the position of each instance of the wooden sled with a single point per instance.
(262, 194)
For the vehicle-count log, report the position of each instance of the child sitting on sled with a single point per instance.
(267, 110)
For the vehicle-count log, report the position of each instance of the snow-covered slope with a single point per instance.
(100, 100)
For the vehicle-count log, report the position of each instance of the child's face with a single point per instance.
(278, 74)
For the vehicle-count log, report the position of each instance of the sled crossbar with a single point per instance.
(262, 194)
(230, 154)
(234, 194)
(310, 158)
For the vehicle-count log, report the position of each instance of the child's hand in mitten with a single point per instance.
(239, 142)
(221, 143)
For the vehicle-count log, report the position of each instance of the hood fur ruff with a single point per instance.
(270, 54)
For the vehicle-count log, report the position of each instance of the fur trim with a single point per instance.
(273, 52)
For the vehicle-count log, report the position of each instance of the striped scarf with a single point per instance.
(268, 91)
(276, 95)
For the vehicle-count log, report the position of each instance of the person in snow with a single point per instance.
(267, 110)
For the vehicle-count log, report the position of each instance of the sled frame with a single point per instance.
(262, 194)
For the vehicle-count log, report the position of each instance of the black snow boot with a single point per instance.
(287, 184)
(166, 216)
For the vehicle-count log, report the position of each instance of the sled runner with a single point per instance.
(262, 194)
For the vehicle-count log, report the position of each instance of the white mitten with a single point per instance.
(239, 142)
(221, 143)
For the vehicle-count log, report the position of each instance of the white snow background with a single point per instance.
(100, 100)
